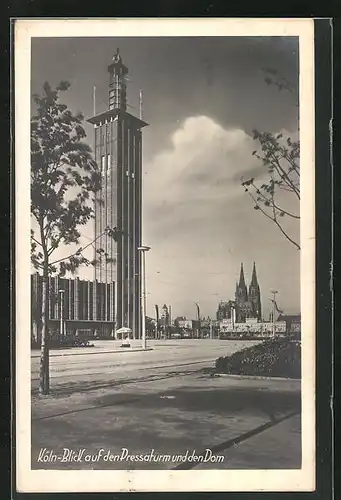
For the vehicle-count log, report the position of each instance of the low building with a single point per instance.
(264, 328)
(80, 304)
(186, 324)
(293, 322)
(225, 310)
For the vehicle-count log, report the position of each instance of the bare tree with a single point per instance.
(280, 157)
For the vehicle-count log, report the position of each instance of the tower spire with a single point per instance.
(241, 277)
(254, 281)
(117, 83)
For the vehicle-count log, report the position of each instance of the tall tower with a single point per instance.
(241, 297)
(241, 290)
(254, 295)
(118, 152)
(165, 315)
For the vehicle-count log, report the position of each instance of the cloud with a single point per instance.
(201, 225)
(202, 169)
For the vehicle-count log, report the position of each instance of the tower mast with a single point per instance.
(141, 104)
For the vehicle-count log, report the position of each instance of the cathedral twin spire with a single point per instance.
(254, 280)
(247, 304)
(242, 293)
(241, 277)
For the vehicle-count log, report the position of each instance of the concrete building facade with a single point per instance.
(72, 300)
(118, 152)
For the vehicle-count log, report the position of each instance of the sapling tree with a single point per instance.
(64, 183)
(280, 157)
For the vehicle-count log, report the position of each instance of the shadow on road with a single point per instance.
(86, 386)
(218, 401)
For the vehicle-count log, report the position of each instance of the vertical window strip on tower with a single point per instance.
(128, 250)
(95, 246)
(56, 298)
(103, 165)
(106, 210)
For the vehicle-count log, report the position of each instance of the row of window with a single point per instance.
(106, 165)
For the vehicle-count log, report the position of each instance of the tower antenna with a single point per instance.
(141, 104)
(94, 100)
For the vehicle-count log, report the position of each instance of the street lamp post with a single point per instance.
(198, 319)
(61, 327)
(143, 250)
(233, 316)
(274, 292)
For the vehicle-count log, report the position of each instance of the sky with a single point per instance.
(202, 97)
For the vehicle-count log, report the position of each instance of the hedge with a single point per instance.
(273, 358)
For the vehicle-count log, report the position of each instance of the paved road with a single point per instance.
(100, 368)
(163, 400)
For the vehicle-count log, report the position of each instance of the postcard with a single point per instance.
(165, 263)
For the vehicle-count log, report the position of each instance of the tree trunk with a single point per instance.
(44, 386)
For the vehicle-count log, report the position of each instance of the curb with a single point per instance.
(98, 352)
(253, 377)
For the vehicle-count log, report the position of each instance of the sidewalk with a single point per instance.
(278, 447)
(100, 347)
(173, 416)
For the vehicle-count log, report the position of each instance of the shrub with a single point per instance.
(273, 358)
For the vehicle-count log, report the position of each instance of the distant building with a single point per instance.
(293, 322)
(77, 309)
(206, 322)
(187, 324)
(178, 319)
(248, 302)
(225, 310)
(164, 315)
(253, 327)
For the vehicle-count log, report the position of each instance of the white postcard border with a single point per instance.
(194, 480)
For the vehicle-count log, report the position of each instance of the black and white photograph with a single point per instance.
(165, 272)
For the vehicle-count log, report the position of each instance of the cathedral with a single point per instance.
(247, 303)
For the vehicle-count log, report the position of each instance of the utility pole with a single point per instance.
(143, 250)
(198, 317)
(157, 321)
(61, 316)
(274, 292)
(233, 314)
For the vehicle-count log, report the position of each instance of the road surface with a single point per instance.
(102, 368)
(163, 401)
